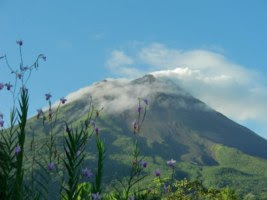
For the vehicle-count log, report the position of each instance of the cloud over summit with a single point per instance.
(118, 95)
(228, 87)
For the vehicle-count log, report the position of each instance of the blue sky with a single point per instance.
(87, 41)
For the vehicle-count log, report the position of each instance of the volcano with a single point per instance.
(207, 145)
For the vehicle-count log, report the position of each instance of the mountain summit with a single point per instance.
(145, 79)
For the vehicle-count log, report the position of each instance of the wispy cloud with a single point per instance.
(119, 58)
(121, 64)
(228, 87)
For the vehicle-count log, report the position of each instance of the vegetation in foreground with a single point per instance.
(34, 171)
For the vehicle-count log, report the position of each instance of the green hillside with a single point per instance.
(247, 174)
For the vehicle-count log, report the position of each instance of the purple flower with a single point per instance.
(132, 197)
(17, 150)
(1, 123)
(8, 86)
(157, 172)
(1, 86)
(171, 163)
(146, 101)
(96, 196)
(139, 109)
(39, 113)
(87, 173)
(20, 42)
(48, 96)
(1, 116)
(96, 130)
(63, 100)
(51, 166)
(143, 163)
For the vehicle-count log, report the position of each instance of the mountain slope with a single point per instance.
(206, 144)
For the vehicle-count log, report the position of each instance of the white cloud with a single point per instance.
(231, 89)
(119, 58)
(120, 63)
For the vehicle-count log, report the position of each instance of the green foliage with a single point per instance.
(135, 177)
(85, 191)
(178, 190)
(75, 142)
(22, 114)
(8, 167)
(98, 179)
(11, 168)
(230, 157)
(3, 164)
(246, 174)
